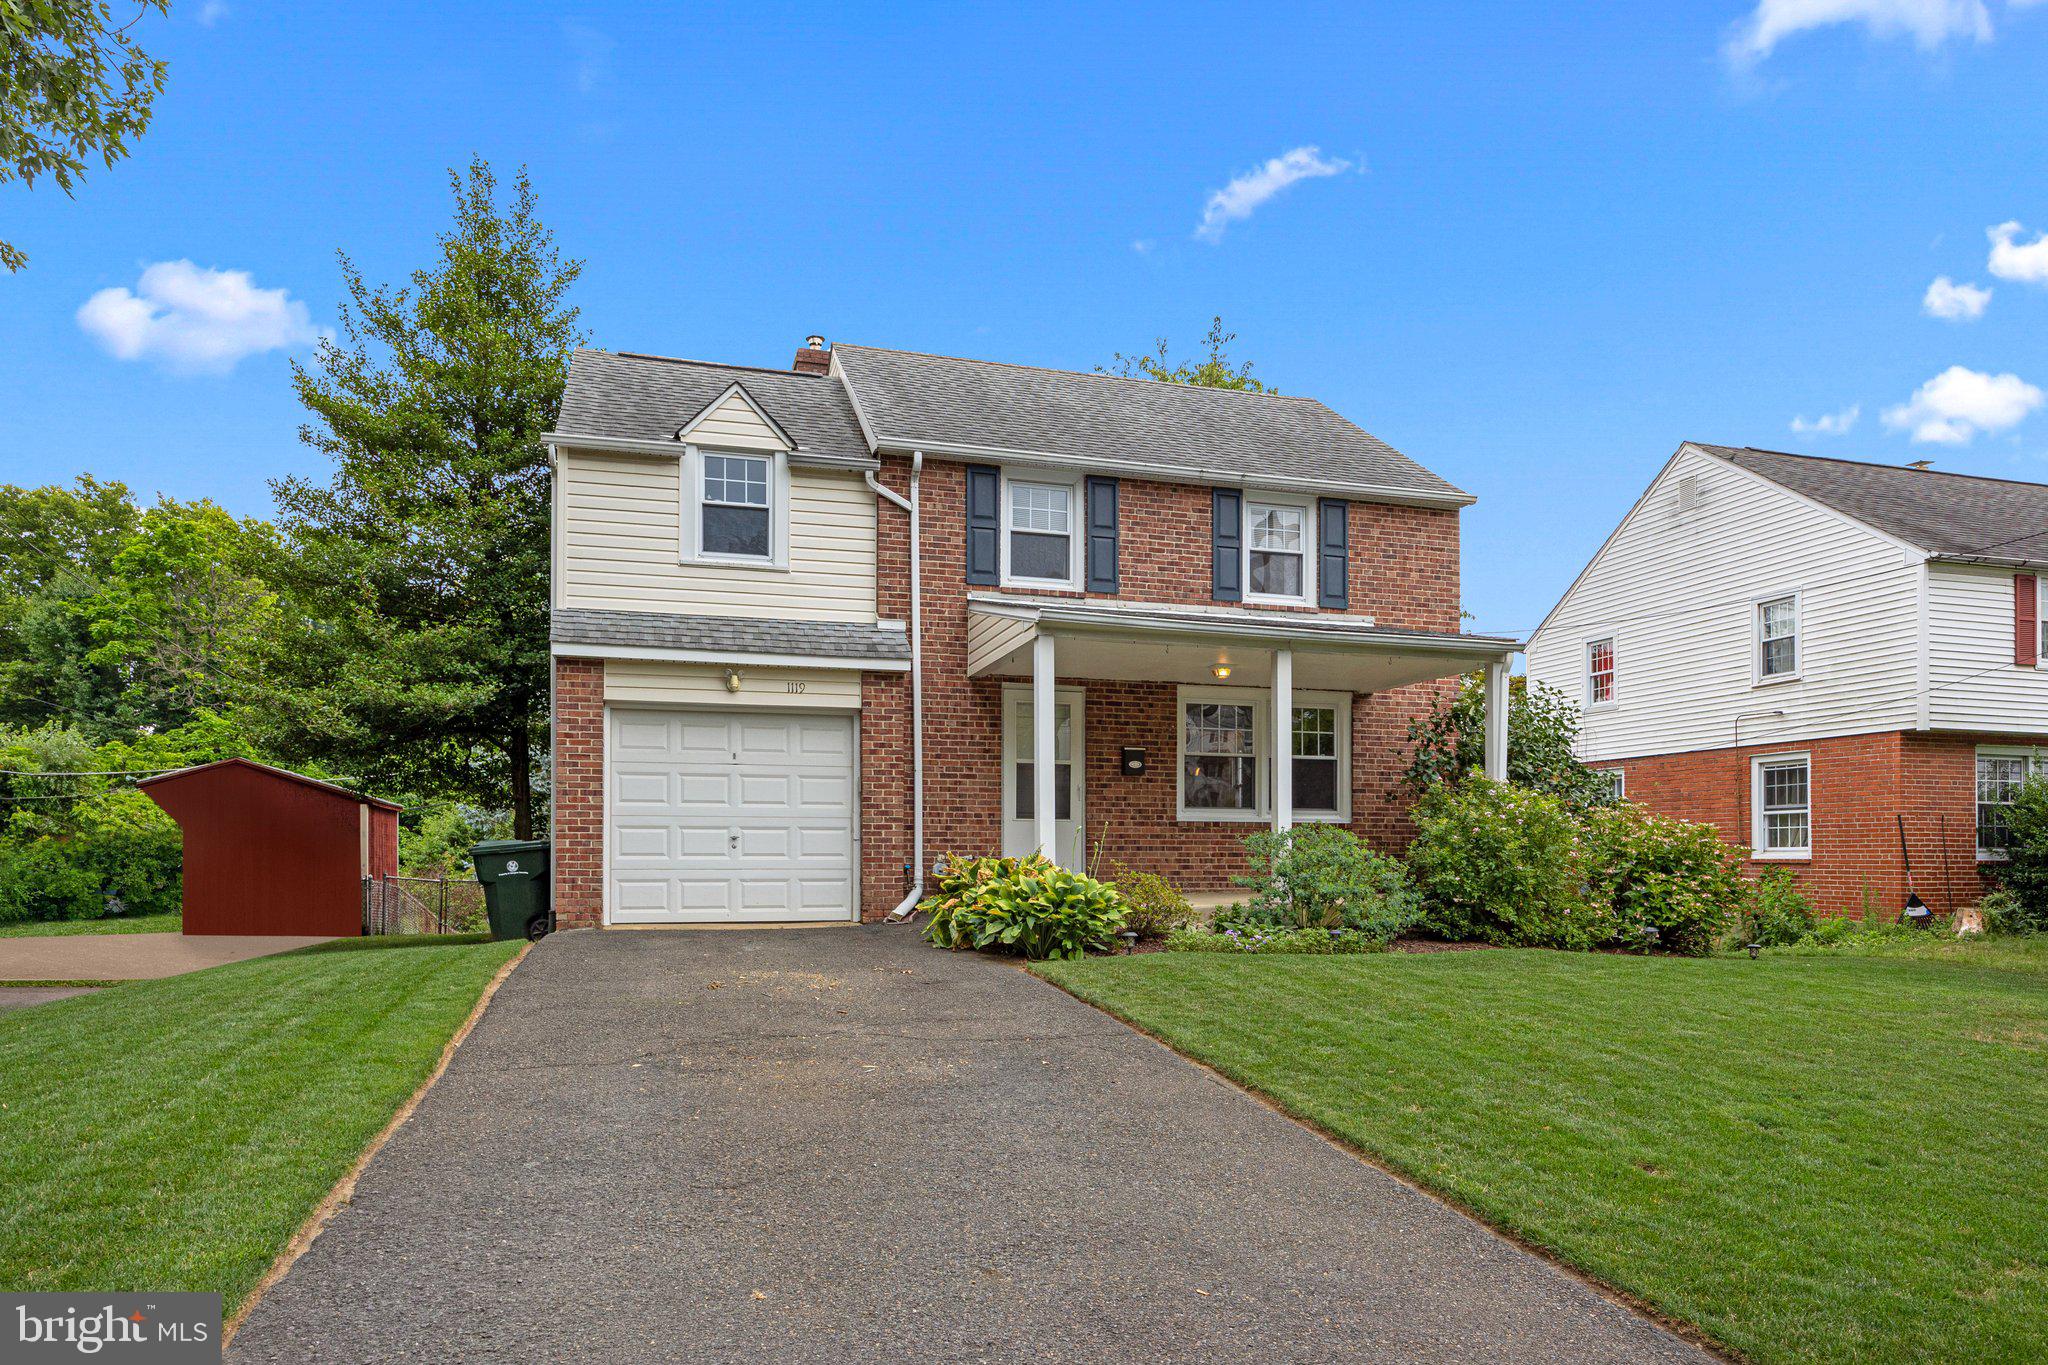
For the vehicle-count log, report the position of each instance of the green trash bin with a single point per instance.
(514, 873)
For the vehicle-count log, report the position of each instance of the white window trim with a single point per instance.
(1756, 807)
(1077, 515)
(1311, 548)
(1612, 641)
(1756, 638)
(1261, 702)
(691, 473)
(2040, 621)
(2037, 764)
(1619, 776)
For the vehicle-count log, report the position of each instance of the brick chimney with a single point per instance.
(814, 358)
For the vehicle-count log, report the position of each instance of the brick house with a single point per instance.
(815, 628)
(1828, 659)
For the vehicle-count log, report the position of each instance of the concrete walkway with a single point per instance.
(132, 957)
(844, 1145)
(21, 997)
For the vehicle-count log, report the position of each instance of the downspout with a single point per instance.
(916, 893)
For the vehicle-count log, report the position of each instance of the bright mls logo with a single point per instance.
(170, 1329)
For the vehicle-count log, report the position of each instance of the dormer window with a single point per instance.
(1038, 533)
(735, 508)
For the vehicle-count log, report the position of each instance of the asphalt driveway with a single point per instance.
(831, 1145)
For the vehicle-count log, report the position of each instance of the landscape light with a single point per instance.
(1130, 938)
(1754, 949)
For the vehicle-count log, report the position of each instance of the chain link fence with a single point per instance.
(422, 905)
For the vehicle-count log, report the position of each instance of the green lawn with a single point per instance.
(174, 1134)
(170, 922)
(1839, 1157)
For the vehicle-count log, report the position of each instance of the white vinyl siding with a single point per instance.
(1682, 589)
(619, 545)
(680, 684)
(1973, 682)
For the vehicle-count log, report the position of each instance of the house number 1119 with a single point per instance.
(794, 687)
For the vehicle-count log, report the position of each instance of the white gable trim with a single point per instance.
(683, 431)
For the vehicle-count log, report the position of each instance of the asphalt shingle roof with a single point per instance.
(645, 398)
(1962, 516)
(912, 400)
(730, 634)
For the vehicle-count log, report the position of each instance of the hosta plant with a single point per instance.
(1028, 906)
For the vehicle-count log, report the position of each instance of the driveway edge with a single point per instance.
(1690, 1333)
(345, 1188)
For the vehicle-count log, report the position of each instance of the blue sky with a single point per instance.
(1562, 239)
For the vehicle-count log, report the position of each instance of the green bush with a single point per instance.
(2025, 870)
(41, 879)
(1153, 906)
(1325, 877)
(1776, 911)
(115, 844)
(2005, 913)
(1502, 864)
(1543, 726)
(1651, 872)
(1269, 939)
(1030, 906)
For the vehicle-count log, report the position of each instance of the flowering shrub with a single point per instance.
(1650, 872)
(1503, 864)
(1270, 939)
(1324, 877)
(1776, 912)
(1031, 906)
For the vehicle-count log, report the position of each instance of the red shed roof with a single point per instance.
(287, 775)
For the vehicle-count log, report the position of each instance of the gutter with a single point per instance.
(910, 505)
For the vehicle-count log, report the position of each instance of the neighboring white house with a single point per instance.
(1824, 657)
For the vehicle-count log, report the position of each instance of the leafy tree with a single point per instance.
(1542, 726)
(183, 611)
(1213, 371)
(2025, 871)
(412, 649)
(73, 86)
(57, 550)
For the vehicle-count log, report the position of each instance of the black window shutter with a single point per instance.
(1226, 542)
(1333, 552)
(1102, 565)
(984, 518)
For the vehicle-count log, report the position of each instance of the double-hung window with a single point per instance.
(1781, 792)
(734, 516)
(1600, 671)
(1615, 780)
(1038, 533)
(1276, 551)
(1777, 638)
(1315, 760)
(2000, 774)
(1226, 755)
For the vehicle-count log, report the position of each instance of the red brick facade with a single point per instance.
(1860, 787)
(1403, 572)
(577, 802)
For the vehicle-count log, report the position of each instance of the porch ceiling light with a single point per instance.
(1221, 671)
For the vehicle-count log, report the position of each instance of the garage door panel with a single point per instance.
(687, 783)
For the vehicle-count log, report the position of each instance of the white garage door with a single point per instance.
(730, 816)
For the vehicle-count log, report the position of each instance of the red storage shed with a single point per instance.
(275, 852)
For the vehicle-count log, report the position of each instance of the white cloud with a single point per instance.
(592, 50)
(1955, 302)
(1143, 246)
(1830, 423)
(1243, 195)
(194, 321)
(1930, 23)
(1956, 405)
(212, 12)
(2023, 261)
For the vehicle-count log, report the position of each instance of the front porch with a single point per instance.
(1159, 736)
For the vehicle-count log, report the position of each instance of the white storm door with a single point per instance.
(1070, 822)
(730, 816)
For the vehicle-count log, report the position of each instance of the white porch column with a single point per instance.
(1283, 739)
(1043, 805)
(1497, 721)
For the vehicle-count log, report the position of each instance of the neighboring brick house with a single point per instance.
(1819, 656)
(1120, 585)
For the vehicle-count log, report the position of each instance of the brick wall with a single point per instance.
(1403, 572)
(1860, 787)
(577, 810)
